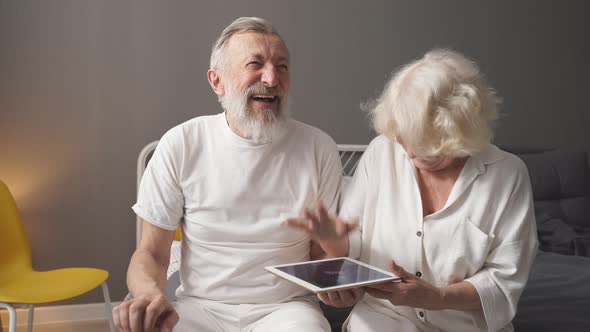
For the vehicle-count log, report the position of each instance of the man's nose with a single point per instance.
(269, 76)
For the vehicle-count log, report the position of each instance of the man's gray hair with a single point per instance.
(241, 25)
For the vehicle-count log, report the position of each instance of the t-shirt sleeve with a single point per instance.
(503, 278)
(160, 200)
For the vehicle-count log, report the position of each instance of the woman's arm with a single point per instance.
(329, 234)
(460, 296)
(418, 293)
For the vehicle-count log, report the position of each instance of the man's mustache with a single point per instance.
(260, 89)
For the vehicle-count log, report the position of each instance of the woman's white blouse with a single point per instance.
(485, 234)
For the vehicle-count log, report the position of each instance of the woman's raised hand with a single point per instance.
(320, 225)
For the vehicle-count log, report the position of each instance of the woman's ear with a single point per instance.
(214, 78)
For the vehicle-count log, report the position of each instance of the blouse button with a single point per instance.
(419, 234)
(421, 313)
(418, 274)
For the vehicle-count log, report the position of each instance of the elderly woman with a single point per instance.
(437, 204)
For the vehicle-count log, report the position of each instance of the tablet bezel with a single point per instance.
(315, 289)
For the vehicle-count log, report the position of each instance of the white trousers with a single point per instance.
(300, 314)
(365, 319)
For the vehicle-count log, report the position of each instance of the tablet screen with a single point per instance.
(333, 273)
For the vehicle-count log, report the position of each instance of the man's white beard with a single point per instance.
(260, 127)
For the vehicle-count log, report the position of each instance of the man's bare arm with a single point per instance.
(146, 279)
(147, 270)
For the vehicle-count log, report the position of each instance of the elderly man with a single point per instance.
(230, 180)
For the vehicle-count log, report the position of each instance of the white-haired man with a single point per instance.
(229, 180)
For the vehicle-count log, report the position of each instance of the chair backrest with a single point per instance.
(15, 252)
(142, 162)
(349, 156)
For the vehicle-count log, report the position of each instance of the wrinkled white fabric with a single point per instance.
(485, 234)
(230, 196)
(299, 314)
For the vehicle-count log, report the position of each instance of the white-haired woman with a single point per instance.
(437, 204)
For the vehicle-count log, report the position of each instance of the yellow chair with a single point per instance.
(20, 285)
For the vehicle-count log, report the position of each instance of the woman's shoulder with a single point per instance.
(383, 148)
(381, 145)
(499, 161)
(380, 140)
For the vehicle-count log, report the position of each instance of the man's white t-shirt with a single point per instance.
(231, 196)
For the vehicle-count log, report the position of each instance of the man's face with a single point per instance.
(256, 69)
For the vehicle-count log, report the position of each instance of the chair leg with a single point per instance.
(31, 316)
(11, 316)
(108, 307)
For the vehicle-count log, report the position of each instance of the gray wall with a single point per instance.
(85, 84)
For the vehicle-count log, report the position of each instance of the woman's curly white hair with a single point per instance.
(439, 105)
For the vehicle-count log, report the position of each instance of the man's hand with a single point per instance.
(144, 314)
(411, 291)
(342, 298)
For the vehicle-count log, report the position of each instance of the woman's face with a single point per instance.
(430, 164)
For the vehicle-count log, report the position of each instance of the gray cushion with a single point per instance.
(561, 184)
(556, 297)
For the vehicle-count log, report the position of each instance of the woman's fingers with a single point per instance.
(384, 286)
(331, 299)
(300, 223)
(358, 293)
(324, 298)
(305, 224)
(311, 216)
(349, 297)
(335, 298)
(380, 294)
(321, 212)
(343, 298)
(400, 272)
(319, 224)
(343, 228)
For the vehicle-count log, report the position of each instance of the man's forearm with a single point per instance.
(146, 276)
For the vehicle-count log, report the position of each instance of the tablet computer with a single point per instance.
(332, 274)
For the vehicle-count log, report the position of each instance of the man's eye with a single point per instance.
(283, 67)
(254, 64)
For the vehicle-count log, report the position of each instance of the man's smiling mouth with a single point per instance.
(265, 98)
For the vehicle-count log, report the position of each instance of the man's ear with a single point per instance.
(214, 78)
